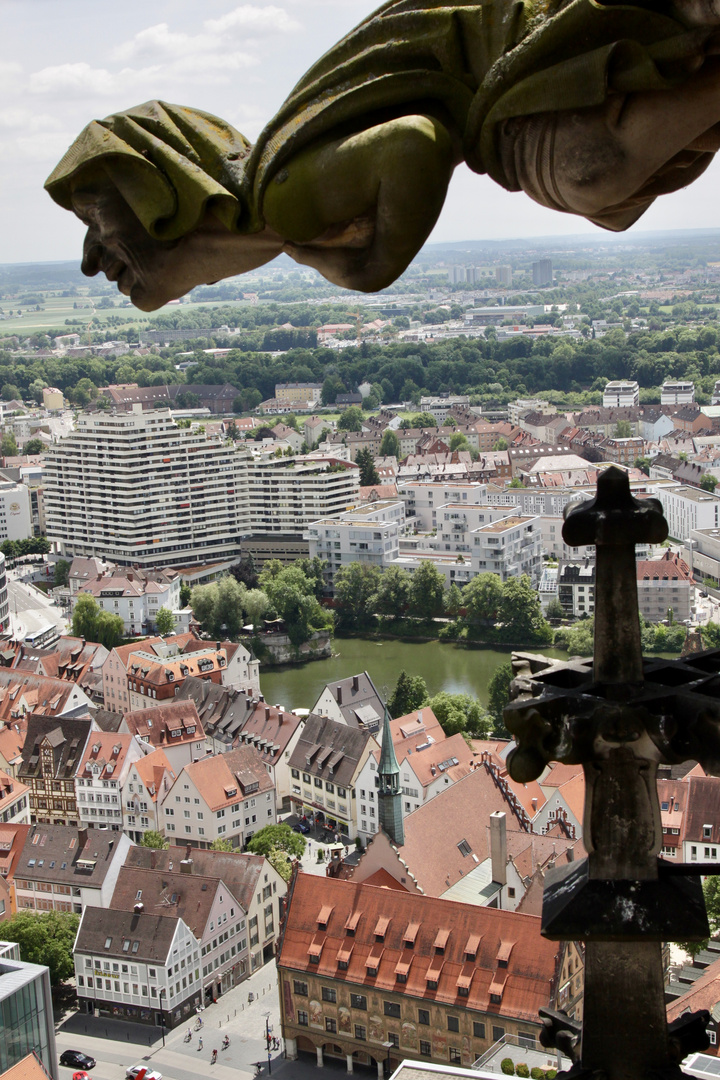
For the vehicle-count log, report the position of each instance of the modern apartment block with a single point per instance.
(16, 522)
(138, 489)
(688, 508)
(370, 533)
(286, 495)
(423, 497)
(677, 393)
(621, 393)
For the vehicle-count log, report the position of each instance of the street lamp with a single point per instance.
(267, 1039)
(387, 1045)
(162, 1013)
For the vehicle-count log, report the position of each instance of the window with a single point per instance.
(453, 1023)
(478, 1030)
(329, 994)
(358, 1001)
(454, 1055)
(391, 1008)
(498, 1033)
(423, 1016)
(330, 1024)
(300, 988)
(394, 1039)
(360, 1032)
(712, 1036)
(425, 1048)
(302, 1018)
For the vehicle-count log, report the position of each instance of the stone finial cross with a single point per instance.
(615, 522)
(613, 724)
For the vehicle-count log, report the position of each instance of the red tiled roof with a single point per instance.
(526, 984)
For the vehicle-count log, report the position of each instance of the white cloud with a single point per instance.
(72, 79)
(218, 37)
(27, 120)
(249, 19)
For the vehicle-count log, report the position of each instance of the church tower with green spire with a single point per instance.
(389, 793)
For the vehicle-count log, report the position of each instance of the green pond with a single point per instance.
(443, 666)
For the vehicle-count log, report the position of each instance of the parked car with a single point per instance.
(75, 1060)
(301, 827)
(135, 1071)
(81, 1075)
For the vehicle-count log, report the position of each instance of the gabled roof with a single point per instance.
(240, 871)
(454, 945)
(167, 892)
(221, 709)
(64, 736)
(703, 809)
(103, 933)
(320, 744)
(224, 779)
(64, 854)
(12, 841)
(270, 730)
(166, 725)
(353, 694)
(704, 994)
(104, 755)
(435, 832)
(10, 790)
(152, 769)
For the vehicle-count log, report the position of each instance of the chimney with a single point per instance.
(82, 838)
(534, 805)
(498, 847)
(267, 712)
(356, 682)
(186, 866)
(138, 909)
(338, 694)
(153, 859)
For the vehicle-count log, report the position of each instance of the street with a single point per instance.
(30, 608)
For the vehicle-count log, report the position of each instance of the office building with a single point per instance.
(26, 1012)
(137, 489)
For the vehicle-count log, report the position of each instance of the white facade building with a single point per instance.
(688, 508)
(15, 512)
(677, 393)
(370, 533)
(100, 777)
(422, 498)
(135, 595)
(137, 489)
(621, 393)
(285, 496)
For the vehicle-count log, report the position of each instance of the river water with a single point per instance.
(443, 666)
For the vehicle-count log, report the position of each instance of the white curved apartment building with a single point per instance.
(135, 488)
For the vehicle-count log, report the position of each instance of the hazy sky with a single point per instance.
(65, 62)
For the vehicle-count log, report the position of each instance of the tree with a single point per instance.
(154, 839)
(453, 601)
(355, 587)
(390, 444)
(366, 462)
(460, 712)
(164, 621)
(85, 617)
(393, 592)
(229, 608)
(109, 629)
(708, 482)
(244, 571)
(410, 694)
(499, 696)
(500, 444)
(292, 594)
(45, 937)
(61, 576)
(351, 419)
(34, 446)
(221, 845)
(255, 604)
(280, 861)
(279, 838)
(555, 610)
(458, 441)
(623, 430)
(711, 635)
(8, 445)
(482, 597)
(521, 613)
(427, 591)
(185, 594)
